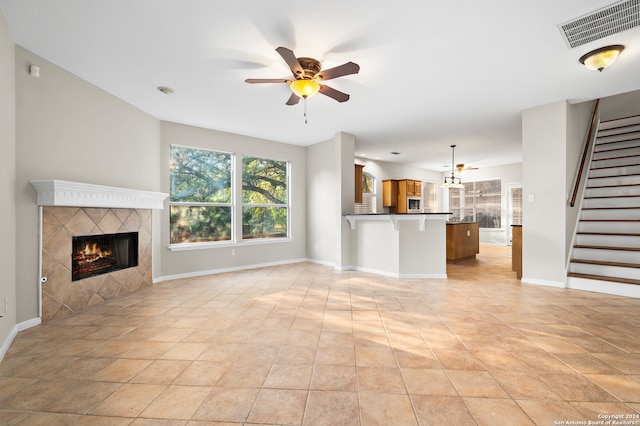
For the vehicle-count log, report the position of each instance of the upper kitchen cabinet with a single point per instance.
(389, 193)
(411, 187)
(358, 183)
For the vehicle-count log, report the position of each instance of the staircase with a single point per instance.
(606, 254)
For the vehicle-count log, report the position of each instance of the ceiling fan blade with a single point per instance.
(291, 60)
(266, 80)
(333, 93)
(339, 71)
(293, 99)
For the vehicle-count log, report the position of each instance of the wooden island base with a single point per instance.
(463, 241)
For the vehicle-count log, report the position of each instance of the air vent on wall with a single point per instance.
(610, 20)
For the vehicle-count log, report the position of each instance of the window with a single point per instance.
(429, 197)
(265, 198)
(200, 199)
(368, 204)
(516, 205)
(479, 201)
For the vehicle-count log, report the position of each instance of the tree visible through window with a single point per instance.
(200, 195)
(265, 198)
(479, 201)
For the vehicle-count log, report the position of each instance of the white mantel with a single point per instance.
(52, 192)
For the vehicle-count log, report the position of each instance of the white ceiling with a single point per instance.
(432, 73)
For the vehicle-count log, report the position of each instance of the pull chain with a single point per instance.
(304, 100)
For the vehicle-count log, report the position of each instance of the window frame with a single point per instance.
(462, 207)
(286, 205)
(236, 205)
(230, 204)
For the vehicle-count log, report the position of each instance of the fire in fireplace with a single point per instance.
(100, 254)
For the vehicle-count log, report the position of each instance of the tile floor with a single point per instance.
(304, 344)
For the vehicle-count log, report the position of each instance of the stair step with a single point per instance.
(605, 263)
(603, 278)
(583, 246)
(616, 153)
(615, 201)
(616, 161)
(613, 146)
(631, 189)
(609, 254)
(608, 239)
(631, 128)
(606, 269)
(613, 180)
(609, 226)
(609, 171)
(617, 123)
(622, 137)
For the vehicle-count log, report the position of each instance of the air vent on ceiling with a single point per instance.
(610, 20)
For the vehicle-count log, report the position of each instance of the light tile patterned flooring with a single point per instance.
(304, 344)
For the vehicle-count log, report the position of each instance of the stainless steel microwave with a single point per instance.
(413, 205)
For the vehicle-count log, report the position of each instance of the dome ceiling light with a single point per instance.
(602, 58)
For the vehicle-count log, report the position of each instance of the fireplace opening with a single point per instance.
(104, 253)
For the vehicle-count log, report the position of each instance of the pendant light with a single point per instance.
(453, 181)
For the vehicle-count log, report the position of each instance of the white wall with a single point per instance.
(619, 106)
(330, 188)
(201, 261)
(322, 182)
(71, 130)
(544, 173)
(7, 185)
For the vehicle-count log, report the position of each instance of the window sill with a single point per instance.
(226, 244)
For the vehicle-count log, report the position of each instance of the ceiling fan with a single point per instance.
(461, 167)
(307, 73)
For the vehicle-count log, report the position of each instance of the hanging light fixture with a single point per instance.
(600, 59)
(453, 181)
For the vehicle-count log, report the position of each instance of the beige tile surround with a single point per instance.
(61, 296)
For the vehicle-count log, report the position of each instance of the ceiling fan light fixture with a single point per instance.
(305, 88)
(602, 58)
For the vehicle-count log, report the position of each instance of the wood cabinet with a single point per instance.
(358, 183)
(413, 187)
(516, 249)
(395, 193)
(463, 241)
(389, 193)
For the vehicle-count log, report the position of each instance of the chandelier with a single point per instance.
(452, 181)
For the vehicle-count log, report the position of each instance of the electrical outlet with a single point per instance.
(233, 252)
(317, 246)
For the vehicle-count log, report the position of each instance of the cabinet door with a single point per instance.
(358, 183)
(417, 187)
(389, 193)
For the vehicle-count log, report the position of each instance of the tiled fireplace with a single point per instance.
(76, 275)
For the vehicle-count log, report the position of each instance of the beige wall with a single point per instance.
(202, 261)
(544, 171)
(71, 130)
(7, 184)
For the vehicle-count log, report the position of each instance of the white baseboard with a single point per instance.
(390, 274)
(14, 332)
(223, 270)
(607, 287)
(547, 283)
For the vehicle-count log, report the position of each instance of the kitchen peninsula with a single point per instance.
(399, 245)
